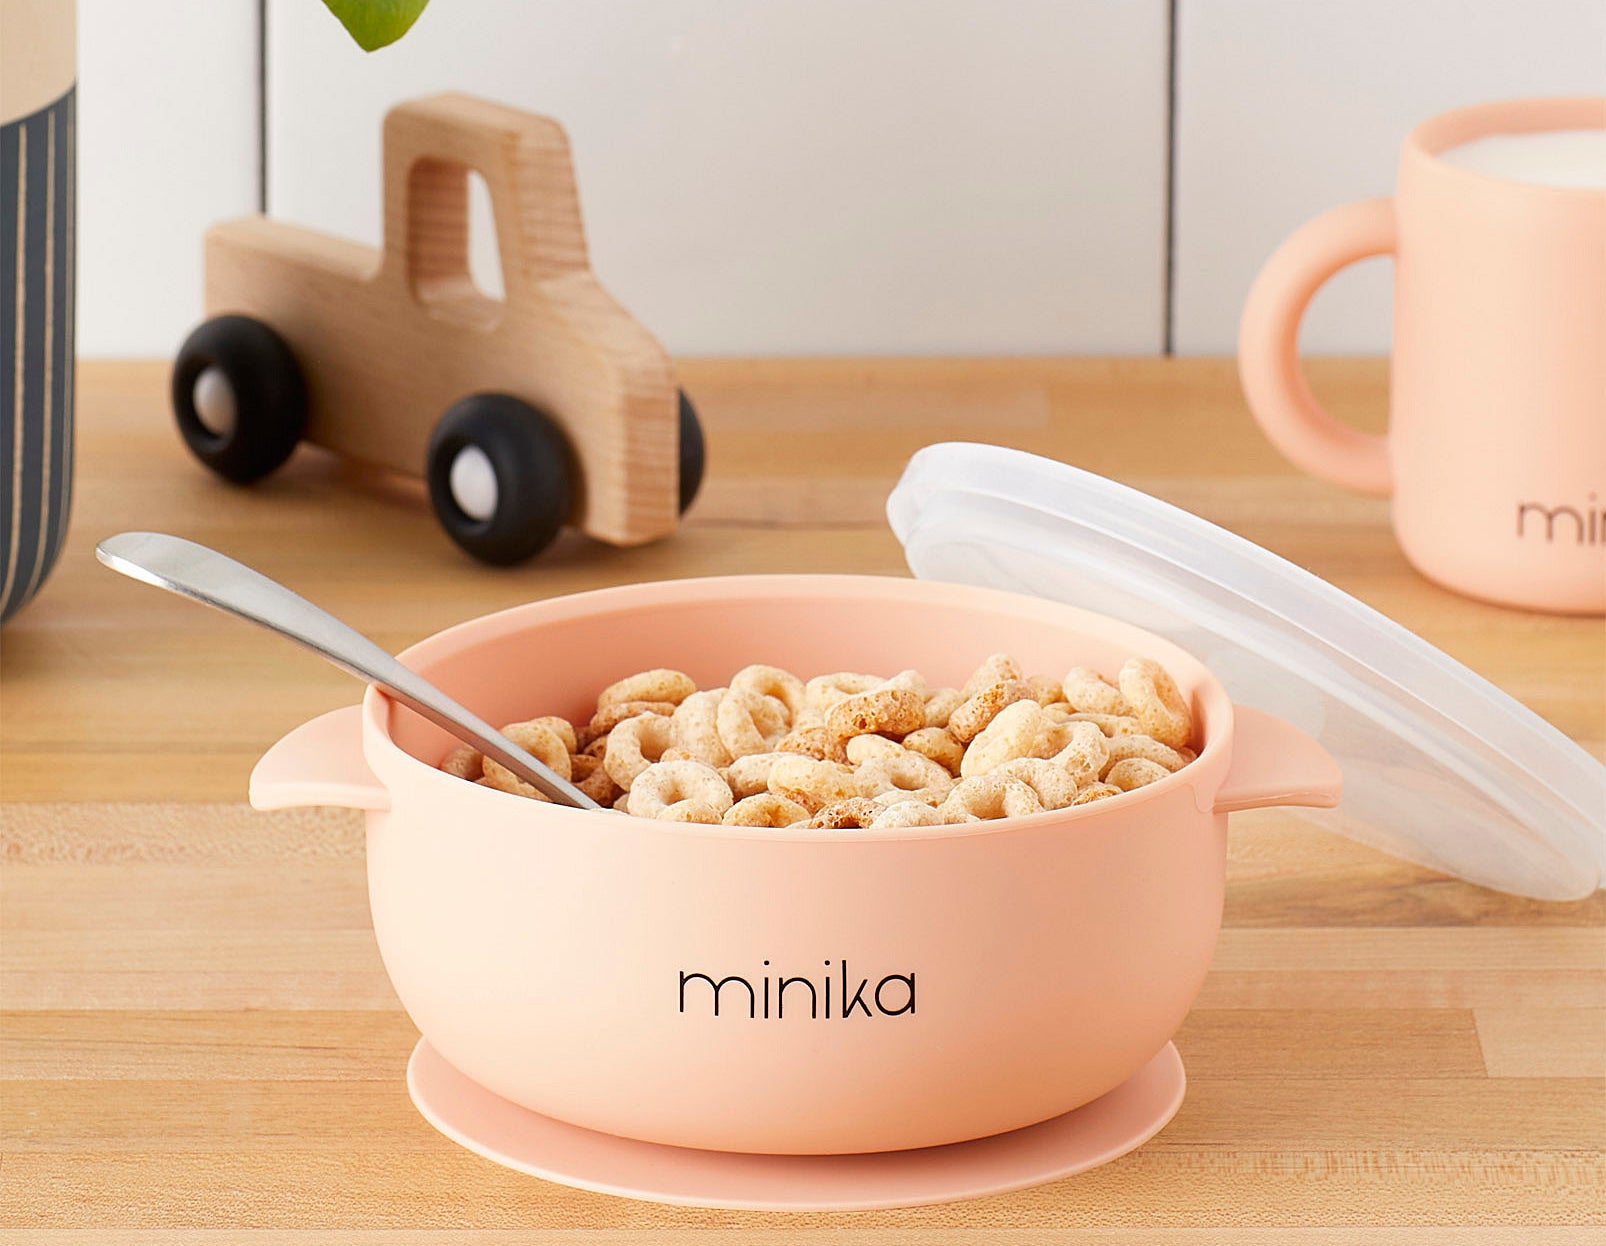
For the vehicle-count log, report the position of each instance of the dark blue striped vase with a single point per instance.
(37, 177)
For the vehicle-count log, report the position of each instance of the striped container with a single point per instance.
(38, 66)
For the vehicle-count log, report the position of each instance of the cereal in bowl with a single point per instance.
(853, 750)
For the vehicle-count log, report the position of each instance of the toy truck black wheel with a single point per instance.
(501, 478)
(693, 453)
(239, 397)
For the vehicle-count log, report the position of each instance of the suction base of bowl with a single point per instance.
(518, 1138)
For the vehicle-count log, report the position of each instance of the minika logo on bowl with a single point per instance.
(766, 998)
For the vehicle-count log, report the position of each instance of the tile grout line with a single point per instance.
(262, 106)
(1167, 293)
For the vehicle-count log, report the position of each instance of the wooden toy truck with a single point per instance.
(551, 405)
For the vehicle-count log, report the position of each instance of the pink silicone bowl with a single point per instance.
(942, 983)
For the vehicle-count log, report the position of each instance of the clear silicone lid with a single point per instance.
(1440, 766)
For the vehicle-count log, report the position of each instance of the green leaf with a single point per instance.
(376, 23)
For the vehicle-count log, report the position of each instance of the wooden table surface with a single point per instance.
(198, 1034)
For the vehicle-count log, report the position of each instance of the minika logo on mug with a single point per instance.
(1583, 524)
(767, 999)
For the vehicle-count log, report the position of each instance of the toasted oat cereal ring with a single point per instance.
(1095, 791)
(600, 787)
(880, 711)
(808, 718)
(1156, 702)
(862, 748)
(856, 811)
(990, 796)
(750, 775)
(562, 728)
(597, 748)
(1018, 730)
(696, 722)
(513, 785)
(1054, 784)
(772, 681)
(905, 813)
(1123, 746)
(622, 801)
(692, 811)
(636, 744)
(464, 762)
(970, 719)
(1085, 754)
(816, 742)
(824, 691)
(750, 723)
(932, 796)
(542, 743)
(1187, 755)
(813, 784)
(591, 777)
(606, 719)
(660, 684)
(910, 681)
(1089, 692)
(1046, 689)
(679, 791)
(1111, 725)
(680, 754)
(937, 744)
(1053, 736)
(1134, 772)
(558, 728)
(765, 809)
(941, 704)
(903, 771)
(1000, 668)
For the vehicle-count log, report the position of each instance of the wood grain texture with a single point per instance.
(388, 340)
(199, 1044)
(1130, 1236)
(1097, 1236)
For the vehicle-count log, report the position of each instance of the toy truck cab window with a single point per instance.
(440, 271)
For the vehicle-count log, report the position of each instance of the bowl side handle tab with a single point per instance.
(319, 763)
(1275, 763)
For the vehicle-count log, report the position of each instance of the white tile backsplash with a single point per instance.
(807, 176)
(1287, 108)
(796, 177)
(167, 144)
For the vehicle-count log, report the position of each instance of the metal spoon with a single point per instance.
(206, 576)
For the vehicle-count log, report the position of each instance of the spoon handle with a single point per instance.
(206, 576)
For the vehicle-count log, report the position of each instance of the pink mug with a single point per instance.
(1495, 456)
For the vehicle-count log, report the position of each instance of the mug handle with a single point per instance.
(1268, 346)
